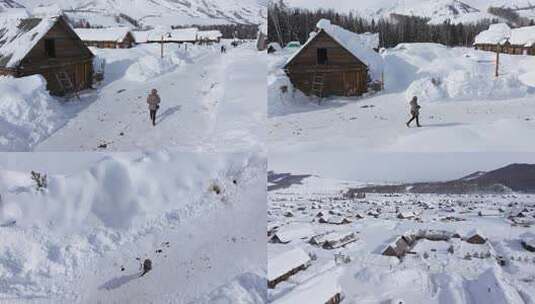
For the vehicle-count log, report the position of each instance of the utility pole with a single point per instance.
(498, 60)
(161, 47)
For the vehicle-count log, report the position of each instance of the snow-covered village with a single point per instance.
(344, 80)
(457, 230)
(76, 75)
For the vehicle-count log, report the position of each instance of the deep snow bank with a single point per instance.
(48, 235)
(27, 112)
(435, 72)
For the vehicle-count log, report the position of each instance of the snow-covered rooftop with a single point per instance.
(501, 33)
(285, 262)
(117, 34)
(318, 290)
(496, 34)
(210, 35)
(19, 36)
(177, 35)
(360, 45)
(524, 36)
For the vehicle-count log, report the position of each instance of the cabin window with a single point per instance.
(50, 48)
(322, 56)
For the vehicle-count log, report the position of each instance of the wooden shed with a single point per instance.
(475, 237)
(107, 38)
(335, 62)
(48, 47)
(286, 264)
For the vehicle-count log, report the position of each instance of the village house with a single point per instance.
(501, 38)
(49, 47)
(283, 266)
(322, 289)
(178, 36)
(336, 62)
(110, 38)
(208, 37)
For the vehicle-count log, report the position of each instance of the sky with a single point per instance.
(392, 167)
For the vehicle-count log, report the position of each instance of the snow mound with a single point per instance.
(49, 235)
(149, 67)
(27, 112)
(435, 72)
(463, 85)
(248, 288)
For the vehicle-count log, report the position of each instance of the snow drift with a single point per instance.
(52, 235)
(27, 112)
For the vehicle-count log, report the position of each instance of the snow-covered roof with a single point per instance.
(360, 46)
(318, 290)
(177, 35)
(287, 234)
(496, 34)
(117, 34)
(141, 36)
(19, 36)
(285, 262)
(210, 35)
(524, 36)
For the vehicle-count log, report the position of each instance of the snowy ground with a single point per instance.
(464, 107)
(204, 104)
(431, 274)
(79, 240)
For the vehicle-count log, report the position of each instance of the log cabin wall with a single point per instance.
(344, 74)
(69, 55)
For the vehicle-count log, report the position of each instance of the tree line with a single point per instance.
(287, 24)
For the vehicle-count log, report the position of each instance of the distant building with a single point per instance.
(111, 38)
(49, 47)
(501, 38)
(335, 62)
(178, 36)
(283, 266)
(207, 37)
(475, 237)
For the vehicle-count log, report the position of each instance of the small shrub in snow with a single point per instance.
(215, 188)
(426, 255)
(40, 180)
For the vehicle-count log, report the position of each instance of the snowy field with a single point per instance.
(82, 237)
(438, 271)
(464, 107)
(204, 104)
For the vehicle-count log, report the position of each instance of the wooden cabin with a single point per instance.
(475, 237)
(321, 289)
(48, 47)
(334, 62)
(500, 38)
(176, 36)
(209, 37)
(107, 38)
(285, 265)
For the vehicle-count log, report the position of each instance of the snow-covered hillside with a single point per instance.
(463, 11)
(464, 106)
(159, 12)
(345, 238)
(82, 238)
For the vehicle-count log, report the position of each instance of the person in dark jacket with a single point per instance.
(415, 112)
(154, 104)
(147, 266)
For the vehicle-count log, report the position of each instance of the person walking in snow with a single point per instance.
(415, 112)
(147, 266)
(154, 104)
